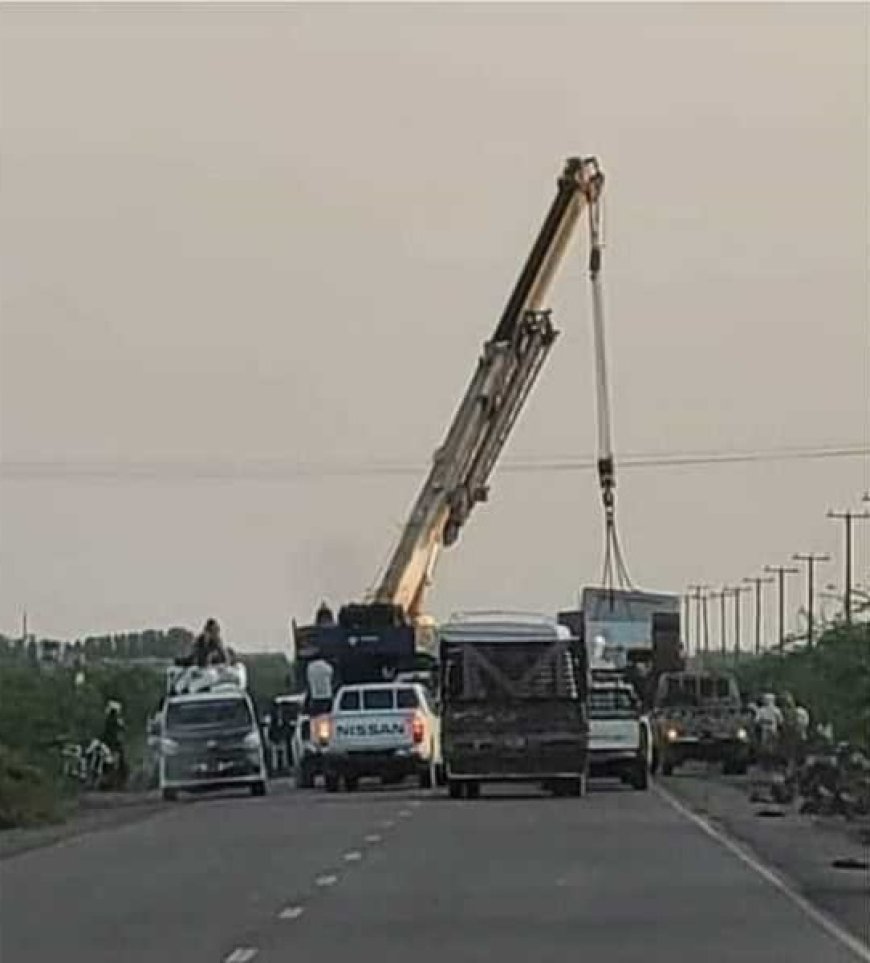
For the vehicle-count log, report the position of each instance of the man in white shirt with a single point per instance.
(319, 677)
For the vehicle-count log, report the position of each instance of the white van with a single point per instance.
(210, 739)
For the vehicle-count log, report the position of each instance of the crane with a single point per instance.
(458, 479)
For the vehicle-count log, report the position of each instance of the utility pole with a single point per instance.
(781, 571)
(758, 581)
(848, 517)
(810, 558)
(723, 631)
(736, 592)
(697, 594)
(706, 620)
(687, 622)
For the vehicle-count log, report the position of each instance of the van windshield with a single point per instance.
(215, 713)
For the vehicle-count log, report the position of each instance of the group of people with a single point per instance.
(782, 728)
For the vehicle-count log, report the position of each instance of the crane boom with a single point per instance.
(503, 378)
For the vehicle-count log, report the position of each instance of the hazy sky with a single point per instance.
(236, 235)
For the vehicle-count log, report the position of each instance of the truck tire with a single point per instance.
(639, 777)
(455, 789)
(351, 783)
(258, 788)
(330, 782)
(170, 795)
(472, 790)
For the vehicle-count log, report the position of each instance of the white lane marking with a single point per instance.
(388, 823)
(415, 803)
(241, 954)
(291, 913)
(373, 838)
(405, 813)
(326, 881)
(352, 857)
(830, 926)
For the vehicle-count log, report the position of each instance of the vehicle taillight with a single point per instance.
(322, 730)
(418, 728)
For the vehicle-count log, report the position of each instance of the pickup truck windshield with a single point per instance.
(692, 690)
(217, 713)
(610, 704)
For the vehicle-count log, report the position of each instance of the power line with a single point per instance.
(157, 470)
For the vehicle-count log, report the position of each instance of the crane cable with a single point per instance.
(614, 561)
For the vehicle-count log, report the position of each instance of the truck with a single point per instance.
(699, 715)
(637, 632)
(209, 735)
(387, 730)
(514, 703)
(620, 735)
(389, 632)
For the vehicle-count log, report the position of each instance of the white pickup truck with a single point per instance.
(620, 737)
(388, 730)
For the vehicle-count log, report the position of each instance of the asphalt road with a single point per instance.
(617, 877)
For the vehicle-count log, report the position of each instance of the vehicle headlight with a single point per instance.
(742, 734)
(169, 747)
(673, 734)
(322, 730)
(251, 742)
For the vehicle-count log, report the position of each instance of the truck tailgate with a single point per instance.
(372, 731)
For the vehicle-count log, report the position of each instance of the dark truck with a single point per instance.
(699, 715)
(514, 693)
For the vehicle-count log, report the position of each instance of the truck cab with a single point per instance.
(699, 716)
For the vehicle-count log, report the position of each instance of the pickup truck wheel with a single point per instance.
(304, 776)
(454, 789)
(330, 782)
(258, 788)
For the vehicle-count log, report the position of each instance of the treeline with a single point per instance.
(160, 644)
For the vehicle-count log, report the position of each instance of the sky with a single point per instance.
(250, 254)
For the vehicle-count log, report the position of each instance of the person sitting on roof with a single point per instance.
(324, 615)
(208, 649)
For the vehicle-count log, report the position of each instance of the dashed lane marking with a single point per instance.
(373, 838)
(241, 954)
(405, 813)
(861, 951)
(291, 913)
(325, 881)
(352, 857)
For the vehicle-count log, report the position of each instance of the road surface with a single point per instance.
(398, 875)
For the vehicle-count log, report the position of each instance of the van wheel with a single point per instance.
(454, 789)
(258, 788)
(330, 782)
(170, 795)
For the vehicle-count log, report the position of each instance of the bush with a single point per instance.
(28, 795)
